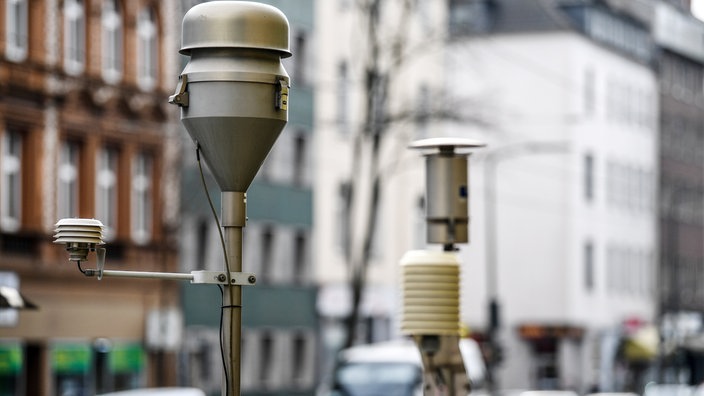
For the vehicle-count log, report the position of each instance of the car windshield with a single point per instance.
(378, 379)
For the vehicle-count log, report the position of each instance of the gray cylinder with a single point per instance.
(447, 196)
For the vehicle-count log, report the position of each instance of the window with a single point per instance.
(299, 257)
(589, 92)
(111, 22)
(589, 266)
(344, 200)
(106, 190)
(299, 357)
(299, 160)
(203, 227)
(142, 198)
(16, 30)
(266, 252)
(11, 186)
(303, 354)
(588, 177)
(299, 58)
(74, 36)
(67, 189)
(266, 358)
(468, 16)
(343, 97)
(147, 49)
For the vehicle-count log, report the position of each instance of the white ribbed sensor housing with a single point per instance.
(88, 231)
(431, 293)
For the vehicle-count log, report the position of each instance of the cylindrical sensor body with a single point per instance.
(431, 293)
(447, 196)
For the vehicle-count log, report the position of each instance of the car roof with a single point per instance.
(158, 392)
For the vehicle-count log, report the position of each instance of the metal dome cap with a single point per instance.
(235, 24)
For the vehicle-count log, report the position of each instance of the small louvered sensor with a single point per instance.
(80, 236)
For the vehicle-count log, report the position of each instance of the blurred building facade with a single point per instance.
(85, 131)
(681, 205)
(573, 157)
(623, 91)
(280, 335)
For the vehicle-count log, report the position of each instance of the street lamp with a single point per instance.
(430, 279)
(233, 95)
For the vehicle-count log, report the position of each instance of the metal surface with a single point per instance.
(220, 278)
(447, 199)
(227, 24)
(233, 208)
(444, 372)
(446, 142)
(447, 188)
(142, 275)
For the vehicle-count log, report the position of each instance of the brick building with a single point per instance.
(85, 131)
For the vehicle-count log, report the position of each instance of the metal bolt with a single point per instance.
(252, 279)
(222, 278)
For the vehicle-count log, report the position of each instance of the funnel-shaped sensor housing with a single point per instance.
(233, 92)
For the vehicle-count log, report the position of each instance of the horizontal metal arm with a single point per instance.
(147, 275)
(204, 277)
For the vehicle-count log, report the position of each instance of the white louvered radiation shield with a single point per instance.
(79, 235)
(431, 295)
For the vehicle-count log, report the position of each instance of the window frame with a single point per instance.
(147, 48)
(11, 180)
(68, 179)
(107, 189)
(589, 177)
(17, 30)
(74, 36)
(112, 31)
(142, 194)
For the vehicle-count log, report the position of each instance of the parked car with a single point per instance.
(394, 369)
(653, 389)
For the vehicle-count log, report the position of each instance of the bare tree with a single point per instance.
(387, 51)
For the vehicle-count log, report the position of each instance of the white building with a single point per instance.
(571, 92)
(572, 105)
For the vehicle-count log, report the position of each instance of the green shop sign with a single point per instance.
(71, 358)
(10, 359)
(126, 358)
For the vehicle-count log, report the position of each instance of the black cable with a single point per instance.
(81, 269)
(212, 209)
(222, 348)
(227, 267)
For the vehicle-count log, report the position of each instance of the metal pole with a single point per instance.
(493, 307)
(233, 221)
